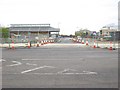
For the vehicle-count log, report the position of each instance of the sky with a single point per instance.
(68, 15)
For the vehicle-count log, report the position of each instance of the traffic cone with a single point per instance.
(42, 43)
(37, 43)
(13, 45)
(110, 46)
(51, 41)
(94, 45)
(28, 44)
(79, 41)
(86, 42)
(46, 41)
(82, 41)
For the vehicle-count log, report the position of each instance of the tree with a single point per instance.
(4, 33)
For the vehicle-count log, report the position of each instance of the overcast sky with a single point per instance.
(69, 15)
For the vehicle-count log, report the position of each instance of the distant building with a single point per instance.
(83, 33)
(105, 31)
(111, 33)
(33, 31)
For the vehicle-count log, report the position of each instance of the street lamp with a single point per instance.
(114, 39)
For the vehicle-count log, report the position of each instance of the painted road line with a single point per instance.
(27, 59)
(17, 63)
(31, 64)
(26, 71)
(66, 70)
(83, 73)
(89, 72)
(2, 60)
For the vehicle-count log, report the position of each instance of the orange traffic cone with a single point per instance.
(86, 42)
(94, 45)
(110, 46)
(37, 43)
(42, 42)
(28, 44)
(13, 45)
(82, 41)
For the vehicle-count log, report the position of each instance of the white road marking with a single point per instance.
(66, 70)
(17, 63)
(37, 69)
(2, 60)
(89, 72)
(63, 73)
(31, 64)
(48, 59)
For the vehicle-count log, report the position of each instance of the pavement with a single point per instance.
(70, 66)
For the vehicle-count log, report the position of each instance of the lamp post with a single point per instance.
(114, 39)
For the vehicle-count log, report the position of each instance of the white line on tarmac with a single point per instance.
(18, 63)
(46, 59)
(31, 64)
(37, 69)
(83, 73)
(2, 60)
(89, 72)
(66, 70)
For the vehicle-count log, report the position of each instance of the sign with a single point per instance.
(94, 32)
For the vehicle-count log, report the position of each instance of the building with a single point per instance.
(115, 35)
(110, 33)
(32, 31)
(83, 33)
(105, 31)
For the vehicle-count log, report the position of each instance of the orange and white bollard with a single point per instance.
(28, 44)
(82, 41)
(94, 45)
(13, 46)
(110, 46)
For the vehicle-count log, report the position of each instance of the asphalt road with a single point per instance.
(49, 67)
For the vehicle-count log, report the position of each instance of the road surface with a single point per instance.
(63, 67)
